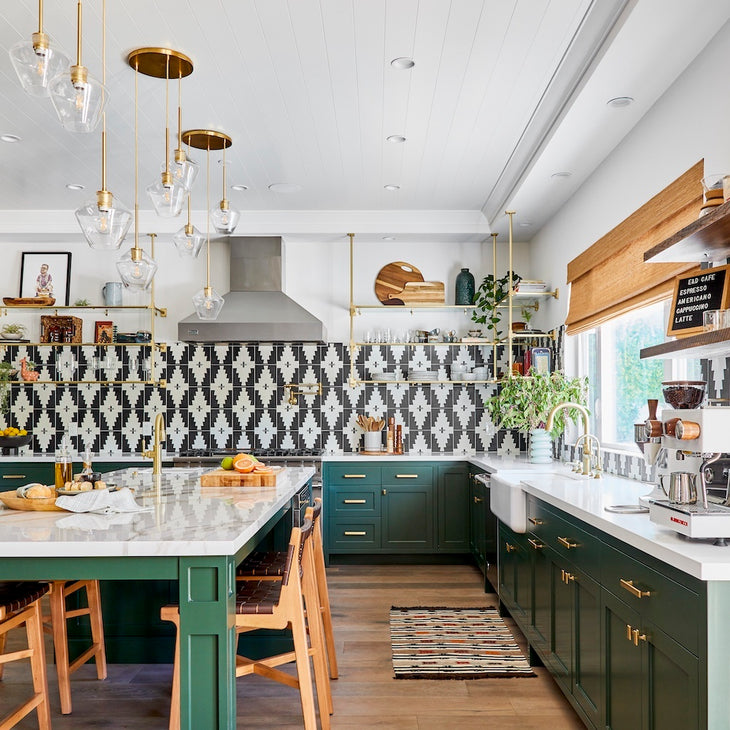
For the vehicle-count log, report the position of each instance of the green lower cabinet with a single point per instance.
(515, 575)
(478, 506)
(452, 497)
(16, 474)
(408, 518)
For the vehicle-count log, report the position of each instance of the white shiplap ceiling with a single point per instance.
(306, 90)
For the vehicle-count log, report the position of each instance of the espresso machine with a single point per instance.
(686, 442)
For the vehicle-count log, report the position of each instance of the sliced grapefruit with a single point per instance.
(244, 463)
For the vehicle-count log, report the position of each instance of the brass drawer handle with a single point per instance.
(637, 637)
(406, 476)
(510, 548)
(537, 545)
(535, 521)
(353, 476)
(355, 533)
(633, 590)
(477, 500)
(628, 631)
(354, 501)
(565, 542)
(14, 476)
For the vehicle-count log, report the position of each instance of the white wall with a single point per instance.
(691, 121)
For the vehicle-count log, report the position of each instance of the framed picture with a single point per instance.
(104, 332)
(46, 274)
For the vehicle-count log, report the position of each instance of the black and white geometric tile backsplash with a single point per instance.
(233, 396)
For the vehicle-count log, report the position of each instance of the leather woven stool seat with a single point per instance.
(15, 595)
(258, 596)
(272, 564)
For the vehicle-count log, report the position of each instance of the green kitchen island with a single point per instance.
(190, 535)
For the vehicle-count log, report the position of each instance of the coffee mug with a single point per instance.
(112, 292)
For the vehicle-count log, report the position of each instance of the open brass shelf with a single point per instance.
(160, 383)
(159, 311)
(10, 343)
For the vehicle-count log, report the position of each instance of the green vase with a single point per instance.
(464, 288)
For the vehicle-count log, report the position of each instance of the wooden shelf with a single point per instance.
(705, 344)
(705, 240)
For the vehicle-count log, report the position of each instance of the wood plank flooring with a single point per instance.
(365, 696)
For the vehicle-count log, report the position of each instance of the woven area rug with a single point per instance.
(453, 643)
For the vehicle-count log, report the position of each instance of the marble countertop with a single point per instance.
(185, 519)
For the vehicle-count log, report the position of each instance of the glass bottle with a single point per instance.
(64, 463)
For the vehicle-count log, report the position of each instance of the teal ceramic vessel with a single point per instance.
(464, 287)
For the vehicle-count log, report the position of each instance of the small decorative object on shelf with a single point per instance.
(28, 372)
(13, 331)
(464, 287)
(491, 293)
(104, 332)
(60, 329)
(81, 303)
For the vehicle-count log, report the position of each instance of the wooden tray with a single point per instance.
(392, 278)
(232, 478)
(28, 301)
(420, 292)
(12, 500)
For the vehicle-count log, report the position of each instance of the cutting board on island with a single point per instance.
(232, 478)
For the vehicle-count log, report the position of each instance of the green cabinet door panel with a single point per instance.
(15, 474)
(407, 518)
(452, 498)
(515, 575)
(561, 637)
(477, 519)
(541, 622)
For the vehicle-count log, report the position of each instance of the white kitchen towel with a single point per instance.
(101, 501)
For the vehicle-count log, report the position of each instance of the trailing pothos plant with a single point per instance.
(523, 402)
(487, 298)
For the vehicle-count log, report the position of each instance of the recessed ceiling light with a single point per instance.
(285, 188)
(74, 186)
(620, 101)
(392, 187)
(239, 187)
(403, 63)
(525, 224)
(389, 238)
(395, 139)
(9, 138)
(560, 175)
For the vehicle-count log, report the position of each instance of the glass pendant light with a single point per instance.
(35, 62)
(168, 193)
(104, 221)
(188, 240)
(78, 98)
(224, 218)
(183, 169)
(207, 302)
(136, 268)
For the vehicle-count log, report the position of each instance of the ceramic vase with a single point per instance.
(540, 446)
(464, 287)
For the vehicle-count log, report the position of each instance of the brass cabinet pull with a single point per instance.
(353, 476)
(628, 631)
(385, 491)
(570, 578)
(637, 637)
(14, 476)
(406, 476)
(562, 576)
(633, 590)
(510, 548)
(354, 501)
(477, 500)
(565, 542)
(535, 521)
(354, 533)
(537, 545)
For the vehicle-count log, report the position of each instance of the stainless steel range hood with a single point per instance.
(256, 309)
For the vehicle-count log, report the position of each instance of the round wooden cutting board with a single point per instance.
(392, 279)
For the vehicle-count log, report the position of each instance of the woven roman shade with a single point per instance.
(611, 278)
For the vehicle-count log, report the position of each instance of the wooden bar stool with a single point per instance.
(19, 605)
(270, 566)
(56, 624)
(279, 604)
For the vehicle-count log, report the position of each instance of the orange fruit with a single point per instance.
(244, 463)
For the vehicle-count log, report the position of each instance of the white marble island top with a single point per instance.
(185, 519)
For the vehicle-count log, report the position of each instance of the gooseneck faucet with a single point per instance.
(587, 438)
(156, 452)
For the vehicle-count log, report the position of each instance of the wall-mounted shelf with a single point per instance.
(705, 240)
(159, 311)
(705, 344)
(162, 346)
(159, 383)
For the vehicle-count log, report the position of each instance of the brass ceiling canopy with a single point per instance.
(206, 139)
(159, 62)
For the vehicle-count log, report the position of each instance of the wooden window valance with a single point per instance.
(611, 278)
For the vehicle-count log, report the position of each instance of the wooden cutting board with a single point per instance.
(393, 277)
(12, 500)
(424, 292)
(232, 478)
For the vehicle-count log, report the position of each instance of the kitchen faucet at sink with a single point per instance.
(586, 438)
(156, 452)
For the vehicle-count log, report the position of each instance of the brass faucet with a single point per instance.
(156, 452)
(587, 438)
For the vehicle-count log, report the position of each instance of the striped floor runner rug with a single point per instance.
(453, 643)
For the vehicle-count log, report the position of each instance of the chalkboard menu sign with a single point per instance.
(694, 293)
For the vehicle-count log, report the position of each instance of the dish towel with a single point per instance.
(102, 501)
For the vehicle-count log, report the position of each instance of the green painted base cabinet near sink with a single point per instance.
(634, 643)
(399, 507)
(483, 542)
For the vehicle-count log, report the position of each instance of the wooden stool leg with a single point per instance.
(2, 651)
(93, 596)
(60, 643)
(324, 600)
(301, 650)
(34, 630)
(171, 613)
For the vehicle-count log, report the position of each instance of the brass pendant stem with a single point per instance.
(167, 119)
(78, 34)
(103, 91)
(224, 173)
(136, 154)
(40, 16)
(207, 219)
(179, 113)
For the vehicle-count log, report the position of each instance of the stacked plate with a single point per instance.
(423, 375)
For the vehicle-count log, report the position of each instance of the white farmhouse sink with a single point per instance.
(507, 499)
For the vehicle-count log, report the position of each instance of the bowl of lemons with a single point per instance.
(13, 438)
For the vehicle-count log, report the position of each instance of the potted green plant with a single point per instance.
(13, 331)
(8, 372)
(491, 293)
(527, 313)
(524, 403)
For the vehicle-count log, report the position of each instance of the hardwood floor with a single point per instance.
(365, 695)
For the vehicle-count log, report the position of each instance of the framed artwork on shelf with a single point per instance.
(103, 332)
(46, 274)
